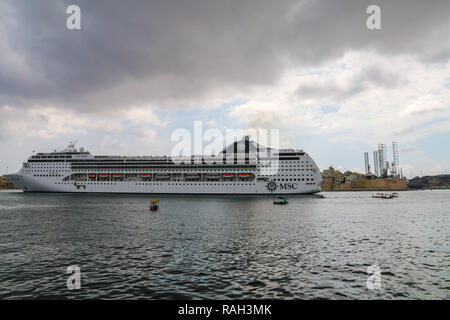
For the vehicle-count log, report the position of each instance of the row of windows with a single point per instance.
(298, 166)
(296, 170)
(160, 184)
(211, 171)
(75, 167)
(47, 175)
(96, 183)
(164, 162)
(170, 165)
(294, 175)
(32, 171)
(303, 179)
(200, 184)
(187, 183)
(300, 172)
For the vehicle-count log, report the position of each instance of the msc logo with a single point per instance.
(288, 186)
(272, 186)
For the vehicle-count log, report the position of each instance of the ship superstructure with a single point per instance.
(243, 167)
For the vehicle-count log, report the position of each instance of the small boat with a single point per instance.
(154, 205)
(117, 174)
(92, 176)
(103, 175)
(215, 175)
(192, 176)
(228, 174)
(212, 176)
(162, 176)
(377, 195)
(145, 174)
(245, 176)
(385, 195)
(281, 200)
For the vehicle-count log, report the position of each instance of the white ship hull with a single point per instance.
(31, 184)
(251, 171)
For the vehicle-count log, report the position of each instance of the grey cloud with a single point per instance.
(364, 80)
(137, 52)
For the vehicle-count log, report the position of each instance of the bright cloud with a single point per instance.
(377, 98)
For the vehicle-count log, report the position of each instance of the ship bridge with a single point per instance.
(245, 145)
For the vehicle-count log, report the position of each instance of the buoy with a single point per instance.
(154, 205)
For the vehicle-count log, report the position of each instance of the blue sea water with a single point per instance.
(225, 247)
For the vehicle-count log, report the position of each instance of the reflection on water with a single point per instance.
(240, 247)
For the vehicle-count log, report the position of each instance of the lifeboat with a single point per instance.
(212, 176)
(117, 175)
(92, 176)
(192, 176)
(162, 176)
(103, 175)
(228, 174)
(245, 175)
(145, 175)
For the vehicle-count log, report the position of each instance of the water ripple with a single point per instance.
(224, 247)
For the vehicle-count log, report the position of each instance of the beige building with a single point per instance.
(334, 180)
(5, 184)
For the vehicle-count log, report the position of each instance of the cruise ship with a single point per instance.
(243, 167)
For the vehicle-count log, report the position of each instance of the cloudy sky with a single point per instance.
(137, 70)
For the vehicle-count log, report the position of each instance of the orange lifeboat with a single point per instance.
(244, 175)
(145, 175)
(228, 174)
(92, 176)
(117, 174)
(103, 175)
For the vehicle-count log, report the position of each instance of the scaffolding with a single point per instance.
(375, 163)
(395, 163)
(383, 164)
